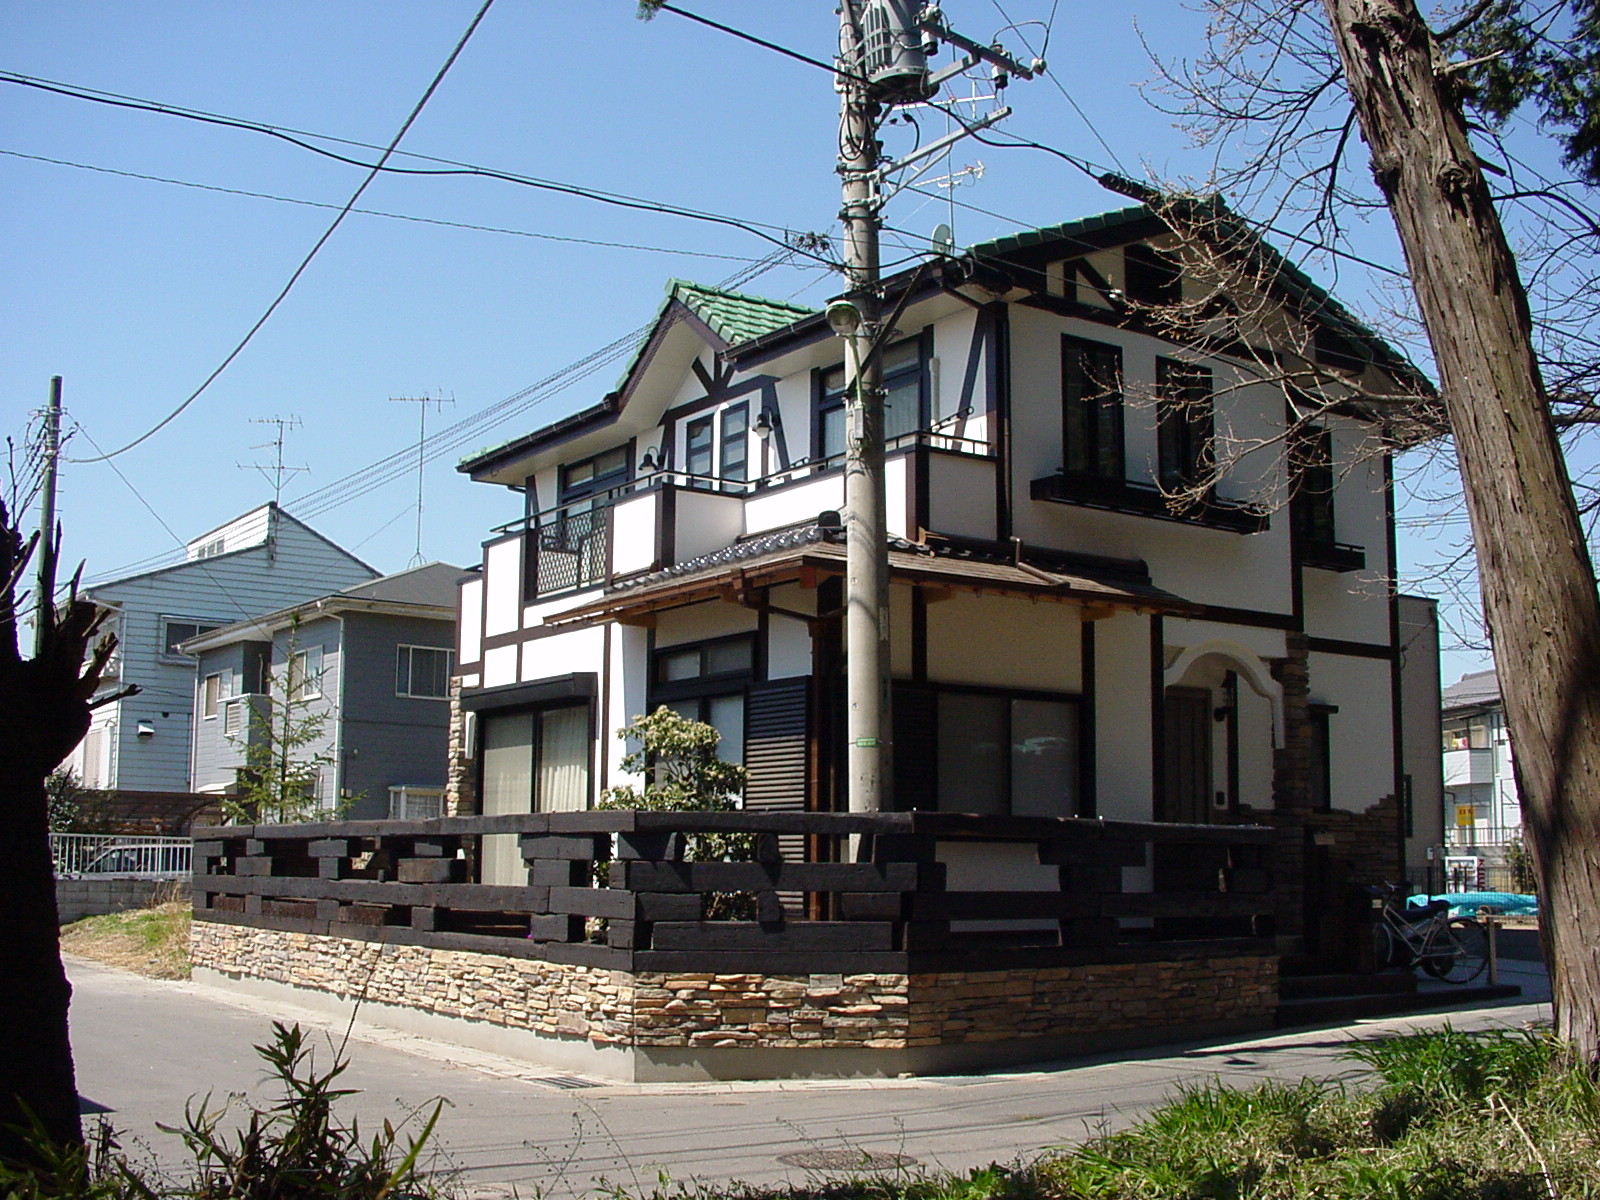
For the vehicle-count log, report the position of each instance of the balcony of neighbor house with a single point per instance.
(1465, 767)
(664, 518)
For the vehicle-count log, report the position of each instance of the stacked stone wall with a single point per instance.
(461, 769)
(703, 1010)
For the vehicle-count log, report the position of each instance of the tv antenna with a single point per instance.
(422, 403)
(275, 473)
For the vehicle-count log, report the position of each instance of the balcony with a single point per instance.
(1145, 500)
(1333, 556)
(1463, 768)
(671, 517)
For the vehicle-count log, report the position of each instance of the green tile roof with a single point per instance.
(735, 317)
(1055, 233)
(1318, 301)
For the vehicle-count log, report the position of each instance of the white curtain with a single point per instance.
(507, 788)
(563, 784)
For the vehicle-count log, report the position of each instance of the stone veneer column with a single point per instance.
(461, 778)
(1291, 783)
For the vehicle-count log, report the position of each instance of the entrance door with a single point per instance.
(1186, 753)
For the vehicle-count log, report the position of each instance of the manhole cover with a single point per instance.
(846, 1160)
(567, 1083)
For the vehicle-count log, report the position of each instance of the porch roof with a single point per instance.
(808, 554)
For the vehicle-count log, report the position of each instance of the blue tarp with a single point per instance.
(1467, 904)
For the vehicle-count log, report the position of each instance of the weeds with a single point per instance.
(295, 1149)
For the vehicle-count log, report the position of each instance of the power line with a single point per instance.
(778, 235)
(374, 212)
(372, 174)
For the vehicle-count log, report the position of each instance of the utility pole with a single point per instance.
(866, 532)
(883, 60)
(47, 515)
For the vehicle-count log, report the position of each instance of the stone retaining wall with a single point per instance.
(685, 1012)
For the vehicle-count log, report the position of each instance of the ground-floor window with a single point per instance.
(536, 760)
(708, 681)
(1007, 753)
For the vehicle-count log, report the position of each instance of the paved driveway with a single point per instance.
(144, 1048)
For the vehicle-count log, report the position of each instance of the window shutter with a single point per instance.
(775, 757)
(916, 747)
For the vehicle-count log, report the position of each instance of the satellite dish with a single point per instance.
(944, 241)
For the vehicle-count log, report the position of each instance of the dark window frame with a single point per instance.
(1313, 508)
(1074, 700)
(1319, 766)
(534, 712)
(569, 492)
(733, 431)
(1093, 438)
(405, 671)
(1185, 423)
(698, 458)
(826, 400)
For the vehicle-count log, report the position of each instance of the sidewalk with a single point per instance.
(144, 1048)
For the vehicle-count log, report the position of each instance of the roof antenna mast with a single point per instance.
(275, 473)
(422, 403)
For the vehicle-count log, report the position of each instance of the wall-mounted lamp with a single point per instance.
(1222, 713)
(648, 463)
(763, 426)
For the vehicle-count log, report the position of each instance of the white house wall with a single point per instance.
(502, 581)
(564, 653)
(633, 532)
(470, 623)
(999, 641)
(1123, 762)
(1360, 734)
(1353, 606)
(699, 622)
(779, 507)
(499, 666)
(961, 495)
(707, 522)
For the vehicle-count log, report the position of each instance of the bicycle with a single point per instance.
(1452, 949)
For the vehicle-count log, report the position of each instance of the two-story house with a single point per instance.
(257, 562)
(365, 672)
(1083, 623)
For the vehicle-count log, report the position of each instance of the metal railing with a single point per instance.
(115, 855)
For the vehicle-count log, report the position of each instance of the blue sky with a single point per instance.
(134, 290)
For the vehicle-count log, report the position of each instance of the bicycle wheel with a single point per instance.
(1456, 951)
(1385, 951)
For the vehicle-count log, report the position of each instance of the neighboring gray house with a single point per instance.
(258, 562)
(1478, 765)
(374, 660)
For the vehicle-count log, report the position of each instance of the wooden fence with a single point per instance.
(819, 892)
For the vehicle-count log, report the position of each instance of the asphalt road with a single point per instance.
(145, 1049)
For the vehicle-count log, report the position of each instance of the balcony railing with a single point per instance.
(874, 893)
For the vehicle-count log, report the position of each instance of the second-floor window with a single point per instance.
(303, 679)
(697, 447)
(422, 672)
(1312, 507)
(903, 399)
(1091, 408)
(735, 450)
(1185, 424)
(175, 631)
(592, 475)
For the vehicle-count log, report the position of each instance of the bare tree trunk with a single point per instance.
(1537, 581)
(44, 712)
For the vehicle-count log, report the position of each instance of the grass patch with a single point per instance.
(1435, 1116)
(152, 941)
